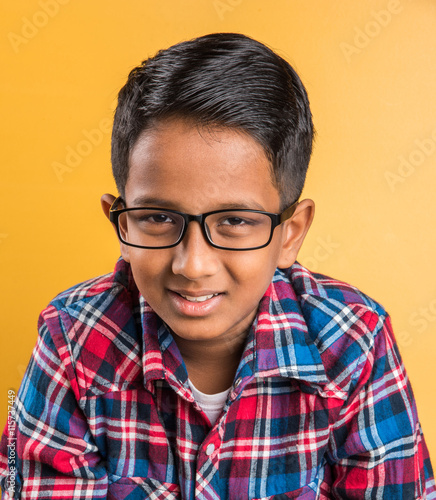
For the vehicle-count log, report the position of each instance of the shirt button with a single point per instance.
(210, 449)
(238, 381)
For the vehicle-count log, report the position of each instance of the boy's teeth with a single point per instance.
(202, 298)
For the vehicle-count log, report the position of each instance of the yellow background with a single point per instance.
(370, 71)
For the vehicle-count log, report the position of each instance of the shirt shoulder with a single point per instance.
(95, 327)
(112, 283)
(311, 285)
(343, 322)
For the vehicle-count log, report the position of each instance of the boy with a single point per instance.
(211, 364)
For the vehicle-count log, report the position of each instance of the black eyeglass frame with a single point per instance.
(276, 220)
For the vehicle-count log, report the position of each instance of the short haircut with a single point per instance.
(227, 80)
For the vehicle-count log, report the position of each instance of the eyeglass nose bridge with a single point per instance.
(195, 218)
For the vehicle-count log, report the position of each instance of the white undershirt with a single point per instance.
(211, 404)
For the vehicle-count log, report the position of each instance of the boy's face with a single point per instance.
(177, 166)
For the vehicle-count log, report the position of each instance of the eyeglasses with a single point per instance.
(239, 229)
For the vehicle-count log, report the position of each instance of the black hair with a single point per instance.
(223, 79)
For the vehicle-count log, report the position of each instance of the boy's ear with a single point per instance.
(106, 203)
(294, 232)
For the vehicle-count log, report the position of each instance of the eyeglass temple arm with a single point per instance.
(114, 208)
(288, 213)
(115, 203)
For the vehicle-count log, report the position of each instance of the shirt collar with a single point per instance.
(161, 358)
(279, 343)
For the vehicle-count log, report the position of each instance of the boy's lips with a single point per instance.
(196, 303)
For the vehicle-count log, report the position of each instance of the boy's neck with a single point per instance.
(212, 364)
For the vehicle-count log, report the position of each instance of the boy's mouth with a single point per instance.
(200, 298)
(190, 303)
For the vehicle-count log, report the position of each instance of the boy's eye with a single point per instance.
(153, 218)
(235, 221)
(158, 218)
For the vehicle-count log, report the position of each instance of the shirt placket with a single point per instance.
(199, 479)
(198, 457)
(208, 456)
(207, 466)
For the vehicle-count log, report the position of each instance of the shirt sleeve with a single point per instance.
(47, 450)
(378, 449)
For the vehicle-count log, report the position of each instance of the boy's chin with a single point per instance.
(193, 335)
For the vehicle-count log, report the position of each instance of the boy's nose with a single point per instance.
(194, 257)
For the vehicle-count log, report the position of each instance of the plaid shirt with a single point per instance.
(321, 406)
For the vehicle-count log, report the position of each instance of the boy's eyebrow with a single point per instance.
(162, 203)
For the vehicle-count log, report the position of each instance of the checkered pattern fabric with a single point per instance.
(321, 406)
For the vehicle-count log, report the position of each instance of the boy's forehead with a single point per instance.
(181, 162)
(169, 137)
